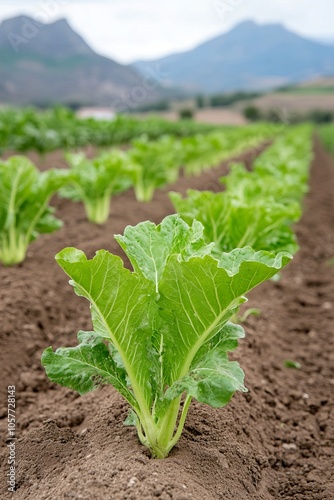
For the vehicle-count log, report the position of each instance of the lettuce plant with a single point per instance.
(24, 211)
(250, 185)
(161, 333)
(232, 222)
(94, 182)
(154, 164)
(200, 153)
(280, 173)
(289, 156)
(204, 151)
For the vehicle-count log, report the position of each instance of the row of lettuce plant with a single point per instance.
(148, 165)
(258, 207)
(162, 332)
(326, 133)
(26, 129)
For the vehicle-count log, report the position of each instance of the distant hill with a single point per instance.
(49, 63)
(249, 57)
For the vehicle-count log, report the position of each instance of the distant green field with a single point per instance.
(320, 90)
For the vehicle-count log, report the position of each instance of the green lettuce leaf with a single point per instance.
(149, 246)
(86, 367)
(212, 378)
(119, 301)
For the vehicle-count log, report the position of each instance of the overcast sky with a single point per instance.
(127, 30)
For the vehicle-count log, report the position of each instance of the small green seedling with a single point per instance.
(288, 363)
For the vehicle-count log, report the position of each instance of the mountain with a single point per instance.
(249, 57)
(27, 36)
(50, 63)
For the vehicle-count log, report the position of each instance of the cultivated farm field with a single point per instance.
(273, 442)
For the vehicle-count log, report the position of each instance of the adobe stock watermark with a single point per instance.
(152, 78)
(29, 29)
(224, 7)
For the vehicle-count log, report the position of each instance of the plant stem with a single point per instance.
(165, 439)
(13, 247)
(167, 426)
(183, 417)
(144, 193)
(98, 210)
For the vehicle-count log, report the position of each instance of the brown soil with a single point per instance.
(275, 442)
